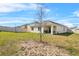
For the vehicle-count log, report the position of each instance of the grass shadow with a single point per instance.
(65, 34)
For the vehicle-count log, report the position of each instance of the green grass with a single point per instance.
(9, 41)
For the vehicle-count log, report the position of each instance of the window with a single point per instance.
(54, 29)
(25, 26)
(32, 28)
(39, 28)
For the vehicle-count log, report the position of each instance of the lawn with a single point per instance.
(9, 41)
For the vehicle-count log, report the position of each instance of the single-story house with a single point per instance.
(47, 27)
(75, 30)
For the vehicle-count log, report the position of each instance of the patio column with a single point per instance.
(51, 29)
(42, 29)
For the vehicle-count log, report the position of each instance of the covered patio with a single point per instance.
(49, 29)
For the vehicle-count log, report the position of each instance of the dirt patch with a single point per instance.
(35, 48)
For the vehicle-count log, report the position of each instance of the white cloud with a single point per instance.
(76, 13)
(66, 23)
(11, 21)
(47, 10)
(12, 7)
(15, 20)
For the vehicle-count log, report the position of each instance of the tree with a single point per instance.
(40, 15)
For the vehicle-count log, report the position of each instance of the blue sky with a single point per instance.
(12, 14)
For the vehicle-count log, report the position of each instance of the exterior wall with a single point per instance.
(35, 30)
(29, 29)
(61, 29)
(26, 29)
(23, 29)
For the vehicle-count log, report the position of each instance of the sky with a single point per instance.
(16, 14)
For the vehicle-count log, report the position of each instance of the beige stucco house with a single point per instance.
(47, 27)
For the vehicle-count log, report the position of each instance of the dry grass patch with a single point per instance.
(35, 48)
